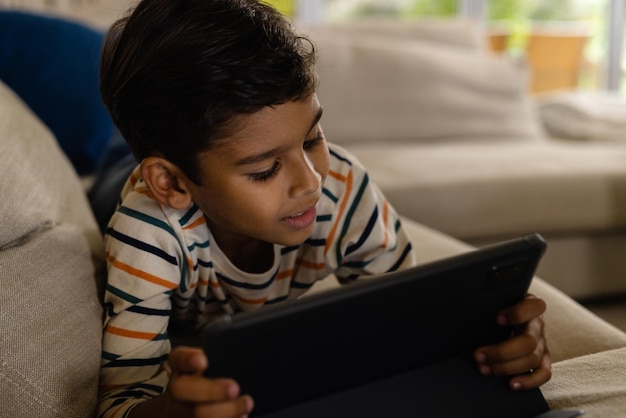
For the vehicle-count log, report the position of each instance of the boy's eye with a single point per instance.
(310, 143)
(267, 174)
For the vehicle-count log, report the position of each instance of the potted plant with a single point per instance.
(555, 45)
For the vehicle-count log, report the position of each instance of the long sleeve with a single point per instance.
(145, 263)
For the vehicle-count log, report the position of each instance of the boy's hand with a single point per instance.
(525, 354)
(190, 394)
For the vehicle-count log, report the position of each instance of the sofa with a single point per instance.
(52, 269)
(450, 133)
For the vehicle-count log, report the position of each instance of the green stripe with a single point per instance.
(147, 219)
(164, 226)
(109, 356)
(353, 207)
(183, 221)
(198, 245)
(331, 196)
(120, 293)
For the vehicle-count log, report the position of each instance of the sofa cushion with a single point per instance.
(584, 115)
(483, 190)
(594, 383)
(461, 33)
(52, 64)
(375, 89)
(51, 257)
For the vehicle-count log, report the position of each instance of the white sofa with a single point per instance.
(451, 135)
(449, 132)
(51, 260)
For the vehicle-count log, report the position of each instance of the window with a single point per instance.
(591, 32)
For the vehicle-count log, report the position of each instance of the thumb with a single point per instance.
(188, 360)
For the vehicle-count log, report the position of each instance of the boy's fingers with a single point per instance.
(188, 360)
(515, 348)
(535, 377)
(529, 308)
(198, 389)
(237, 408)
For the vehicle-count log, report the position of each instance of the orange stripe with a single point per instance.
(196, 223)
(336, 175)
(310, 265)
(133, 178)
(141, 274)
(259, 301)
(130, 334)
(342, 208)
(385, 220)
(189, 263)
(144, 191)
(284, 274)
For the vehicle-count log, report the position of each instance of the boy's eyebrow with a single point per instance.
(269, 154)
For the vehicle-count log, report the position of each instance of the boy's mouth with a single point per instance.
(302, 219)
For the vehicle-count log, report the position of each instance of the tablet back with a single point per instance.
(372, 329)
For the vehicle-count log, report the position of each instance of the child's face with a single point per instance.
(264, 181)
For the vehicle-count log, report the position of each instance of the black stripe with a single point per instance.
(139, 362)
(142, 246)
(405, 253)
(149, 311)
(366, 233)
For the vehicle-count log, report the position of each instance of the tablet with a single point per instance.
(374, 328)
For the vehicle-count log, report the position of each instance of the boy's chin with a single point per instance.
(294, 239)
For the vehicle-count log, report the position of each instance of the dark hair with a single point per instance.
(176, 74)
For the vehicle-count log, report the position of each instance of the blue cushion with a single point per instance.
(52, 64)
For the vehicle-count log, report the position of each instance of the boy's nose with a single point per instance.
(304, 178)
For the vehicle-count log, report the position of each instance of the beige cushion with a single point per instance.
(50, 250)
(589, 116)
(376, 90)
(461, 33)
(480, 190)
(595, 383)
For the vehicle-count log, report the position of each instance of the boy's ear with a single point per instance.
(163, 179)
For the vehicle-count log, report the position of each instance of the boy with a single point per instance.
(237, 202)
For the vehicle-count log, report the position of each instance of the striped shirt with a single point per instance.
(164, 262)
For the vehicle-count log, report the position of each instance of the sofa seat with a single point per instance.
(573, 193)
(481, 190)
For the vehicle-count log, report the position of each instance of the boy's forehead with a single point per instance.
(270, 125)
(276, 117)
